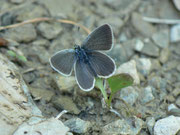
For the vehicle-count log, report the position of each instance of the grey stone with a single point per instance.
(129, 95)
(118, 53)
(65, 84)
(30, 11)
(150, 49)
(175, 33)
(167, 126)
(172, 106)
(161, 38)
(139, 45)
(123, 37)
(17, 1)
(178, 101)
(25, 33)
(177, 4)
(77, 125)
(178, 68)
(49, 30)
(145, 28)
(44, 126)
(150, 122)
(41, 42)
(156, 64)
(144, 66)
(131, 126)
(147, 95)
(164, 55)
(124, 6)
(129, 46)
(129, 68)
(65, 103)
(155, 82)
(36, 51)
(59, 8)
(136, 125)
(176, 92)
(116, 128)
(39, 93)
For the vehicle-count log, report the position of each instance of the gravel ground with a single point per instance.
(147, 45)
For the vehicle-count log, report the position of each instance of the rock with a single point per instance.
(35, 53)
(116, 128)
(129, 95)
(136, 125)
(26, 33)
(175, 33)
(131, 126)
(147, 95)
(158, 83)
(150, 122)
(77, 125)
(49, 30)
(129, 68)
(129, 47)
(65, 103)
(161, 38)
(39, 93)
(145, 28)
(144, 66)
(178, 68)
(124, 6)
(118, 53)
(139, 45)
(176, 92)
(122, 37)
(167, 126)
(156, 64)
(59, 8)
(41, 42)
(50, 126)
(16, 105)
(164, 55)
(17, 1)
(172, 106)
(150, 49)
(65, 84)
(30, 11)
(178, 101)
(177, 4)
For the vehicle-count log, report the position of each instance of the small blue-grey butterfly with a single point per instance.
(86, 59)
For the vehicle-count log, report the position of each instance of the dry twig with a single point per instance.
(44, 19)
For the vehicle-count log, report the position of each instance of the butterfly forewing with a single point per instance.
(102, 64)
(84, 78)
(100, 39)
(63, 61)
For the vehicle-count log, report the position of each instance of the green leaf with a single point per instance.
(99, 84)
(117, 82)
(22, 58)
(11, 53)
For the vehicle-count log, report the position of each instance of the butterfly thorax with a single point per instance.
(81, 54)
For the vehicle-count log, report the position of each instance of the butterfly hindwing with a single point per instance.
(63, 61)
(100, 39)
(84, 78)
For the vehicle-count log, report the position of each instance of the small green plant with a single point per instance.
(115, 83)
(16, 56)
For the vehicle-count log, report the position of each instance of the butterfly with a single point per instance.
(87, 60)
